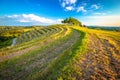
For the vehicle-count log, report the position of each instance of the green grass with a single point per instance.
(5, 41)
(57, 55)
(29, 58)
(29, 43)
(65, 69)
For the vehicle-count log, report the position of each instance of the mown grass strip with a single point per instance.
(28, 44)
(24, 60)
(70, 71)
(62, 68)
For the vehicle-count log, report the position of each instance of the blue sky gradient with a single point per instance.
(45, 12)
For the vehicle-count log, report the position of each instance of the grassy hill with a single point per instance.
(60, 52)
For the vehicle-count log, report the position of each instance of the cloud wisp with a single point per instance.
(95, 6)
(71, 5)
(28, 19)
(68, 5)
(99, 13)
(69, 8)
(103, 20)
(82, 9)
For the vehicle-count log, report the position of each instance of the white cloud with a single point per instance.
(68, 5)
(13, 16)
(103, 20)
(23, 20)
(95, 6)
(59, 20)
(70, 8)
(35, 18)
(29, 18)
(81, 8)
(70, 1)
(110, 17)
(99, 13)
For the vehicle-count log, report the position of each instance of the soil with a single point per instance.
(101, 62)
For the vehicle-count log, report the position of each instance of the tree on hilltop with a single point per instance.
(72, 21)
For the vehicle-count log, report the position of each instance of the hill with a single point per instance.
(60, 52)
(72, 21)
(105, 28)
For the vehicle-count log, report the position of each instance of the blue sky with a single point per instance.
(45, 12)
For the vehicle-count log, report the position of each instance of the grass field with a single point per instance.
(59, 52)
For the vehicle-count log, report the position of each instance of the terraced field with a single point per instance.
(62, 53)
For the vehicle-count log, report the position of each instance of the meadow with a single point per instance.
(59, 52)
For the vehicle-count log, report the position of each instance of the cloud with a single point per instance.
(35, 18)
(68, 5)
(95, 6)
(99, 13)
(24, 21)
(70, 8)
(59, 20)
(13, 16)
(69, 2)
(31, 19)
(63, 4)
(102, 20)
(81, 8)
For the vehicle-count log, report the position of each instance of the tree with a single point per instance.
(84, 26)
(72, 21)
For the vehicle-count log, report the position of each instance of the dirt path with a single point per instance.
(101, 63)
(14, 54)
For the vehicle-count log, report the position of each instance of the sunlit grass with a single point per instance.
(58, 65)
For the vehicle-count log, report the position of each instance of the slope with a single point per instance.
(63, 53)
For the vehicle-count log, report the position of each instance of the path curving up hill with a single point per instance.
(62, 53)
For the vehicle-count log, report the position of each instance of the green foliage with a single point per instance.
(72, 21)
(5, 41)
